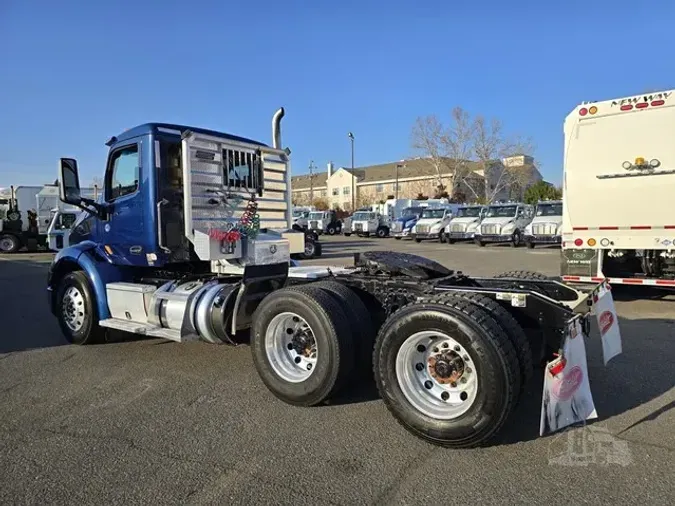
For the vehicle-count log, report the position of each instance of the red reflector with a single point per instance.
(578, 242)
(626, 107)
(658, 102)
(641, 105)
(557, 366)
(583, 111)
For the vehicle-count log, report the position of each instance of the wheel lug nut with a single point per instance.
(463, 396)
(463, 380)
(445, 345)
(466, 358)
(297, 360)
(445, 396)
(419, 366)
(289, 346)
(309, 367)
(453, 384)
(435, 350)
(468, 370)
(457, 348)
(428, 385)
(421, 348)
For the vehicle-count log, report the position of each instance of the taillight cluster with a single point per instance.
(642, 105)
(591, 110)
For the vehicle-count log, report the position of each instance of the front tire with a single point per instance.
(301, 345)
(515, 239)
(76, 310)
(9, 243)
(417, 374)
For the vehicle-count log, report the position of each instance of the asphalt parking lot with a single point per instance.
(148, 421)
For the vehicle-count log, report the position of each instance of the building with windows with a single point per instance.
(407, 179)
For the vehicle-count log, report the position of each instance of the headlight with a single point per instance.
(435, 228)
(508, 228)
(558, 231)
(472, 227)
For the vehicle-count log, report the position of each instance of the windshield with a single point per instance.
(549, 209)
(433, 213)
(316, 216)
(300, 214)
(501, 211)
(411, 211)
(468, 212)
(363, 216)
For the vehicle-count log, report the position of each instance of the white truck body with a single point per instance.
(433, 221)
(546, 226)
(465, 223)
(504, 223)
(365, 222)
(619, 175)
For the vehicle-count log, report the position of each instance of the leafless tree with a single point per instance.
(429, 140)
(459, 141)
(491, 145)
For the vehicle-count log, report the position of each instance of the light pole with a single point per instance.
(311, 182)
(398, 166)
(351, 139)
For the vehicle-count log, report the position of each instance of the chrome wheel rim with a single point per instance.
(73, 309)
(6, 244)
(437, 375)
(291, 347)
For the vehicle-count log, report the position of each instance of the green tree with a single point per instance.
(542, 191)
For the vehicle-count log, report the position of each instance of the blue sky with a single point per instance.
(75, 73)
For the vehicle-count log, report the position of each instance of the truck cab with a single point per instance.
(324, 222)
(402, 226)
(546, 226)
(366, 222)
(464, 223)
(504, 223)
(432, 222)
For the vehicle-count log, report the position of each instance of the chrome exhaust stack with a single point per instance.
(276, 128)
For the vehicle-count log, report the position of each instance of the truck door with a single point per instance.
(124, 230)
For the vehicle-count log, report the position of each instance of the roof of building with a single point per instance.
(415, 167)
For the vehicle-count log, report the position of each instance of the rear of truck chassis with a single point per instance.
(450, 354)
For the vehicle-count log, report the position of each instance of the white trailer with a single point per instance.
(619, 175)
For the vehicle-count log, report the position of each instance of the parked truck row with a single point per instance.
(515, 223)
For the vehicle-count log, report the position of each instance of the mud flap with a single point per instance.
(608, 322)
(567, 397)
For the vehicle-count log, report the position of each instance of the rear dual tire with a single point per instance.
(478, 345)
(328, 328)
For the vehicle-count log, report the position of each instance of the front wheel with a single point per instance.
(331, 230)
(382, 232)
(76, 310)
(516, 240)
(347, 234)
(447, 372)
(9, 243)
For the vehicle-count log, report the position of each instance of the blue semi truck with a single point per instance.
(191, 239)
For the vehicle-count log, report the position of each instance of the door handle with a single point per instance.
(160, 242)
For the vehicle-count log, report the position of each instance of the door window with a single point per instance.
(124, 173)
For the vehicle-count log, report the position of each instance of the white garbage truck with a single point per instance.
(619, 175)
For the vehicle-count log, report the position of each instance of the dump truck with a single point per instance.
(188, 242)
(618, 223)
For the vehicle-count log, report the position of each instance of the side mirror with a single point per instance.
(69, 182)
